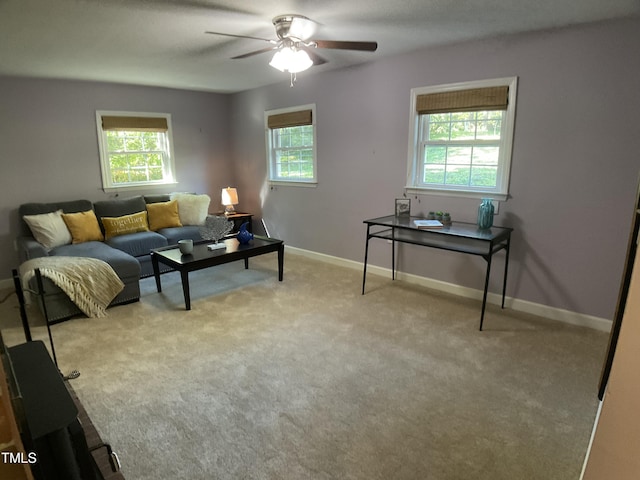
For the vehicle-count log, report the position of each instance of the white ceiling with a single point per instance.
(162, 42)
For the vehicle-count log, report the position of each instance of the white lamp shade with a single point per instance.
(229, 196)
(292, 61)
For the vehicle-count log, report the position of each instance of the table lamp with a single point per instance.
(229, 199)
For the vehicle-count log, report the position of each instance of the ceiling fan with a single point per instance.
(294, 47)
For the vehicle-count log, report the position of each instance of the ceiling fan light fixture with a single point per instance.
(291, 60)
(295, 47)
(302, 28)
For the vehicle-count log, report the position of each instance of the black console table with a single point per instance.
(457, 237)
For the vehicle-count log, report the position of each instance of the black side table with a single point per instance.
(238, 219)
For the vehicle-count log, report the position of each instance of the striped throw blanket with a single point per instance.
(90, 283)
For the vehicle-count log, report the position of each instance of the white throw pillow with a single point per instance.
(192, 209)
(49, 229)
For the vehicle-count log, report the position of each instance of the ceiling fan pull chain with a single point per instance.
(294, 78)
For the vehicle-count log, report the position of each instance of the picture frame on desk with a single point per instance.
(403, 207)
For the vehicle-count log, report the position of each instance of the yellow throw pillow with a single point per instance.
(163, 215)
(114, 226)
(83, 226)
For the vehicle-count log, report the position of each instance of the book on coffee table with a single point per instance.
(424, 224)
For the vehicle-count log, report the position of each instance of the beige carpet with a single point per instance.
(308, 379)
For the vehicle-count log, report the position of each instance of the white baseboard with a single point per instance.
(593, 435)
(541, 310)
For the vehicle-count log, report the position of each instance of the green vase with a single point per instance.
(485, 213)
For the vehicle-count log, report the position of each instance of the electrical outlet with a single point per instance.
(496, 204)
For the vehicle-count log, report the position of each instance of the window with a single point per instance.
(135, 149)
(461, 138)
(291, 139)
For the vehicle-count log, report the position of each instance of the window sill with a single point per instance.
(278, 183)
(456, 193)
(140, 186)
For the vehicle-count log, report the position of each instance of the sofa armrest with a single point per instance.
(29, 248)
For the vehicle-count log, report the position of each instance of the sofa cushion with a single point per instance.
(163, 215)
(49, 229)
(137, 244)
(124, 265)
(83, 226)
(193, 209)
(161, 197)
(181, 233)
(118, 208)
(38, 208)
(114, 226)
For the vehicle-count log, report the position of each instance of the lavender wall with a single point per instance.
(573, 178)
(49, 149)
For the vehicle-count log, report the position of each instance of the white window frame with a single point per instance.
(168, 162)
(414, 164)
(273, 179)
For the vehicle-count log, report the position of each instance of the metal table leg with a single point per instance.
(366, 255)
(506, 267)
(21, 302)
(486, 285)
(393, 254)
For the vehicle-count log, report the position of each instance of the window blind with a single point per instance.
(471, 100)
(290, 119)
(136, 124)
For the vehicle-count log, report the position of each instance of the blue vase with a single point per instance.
(244, 235)
(485, 213)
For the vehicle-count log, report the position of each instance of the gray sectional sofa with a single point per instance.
(128, 254)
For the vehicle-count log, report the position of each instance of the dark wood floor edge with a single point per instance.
(100, 455)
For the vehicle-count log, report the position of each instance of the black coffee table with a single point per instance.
(202, 257)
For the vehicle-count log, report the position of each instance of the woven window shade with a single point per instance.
(472, 100)
(290, 119)
(135, 124)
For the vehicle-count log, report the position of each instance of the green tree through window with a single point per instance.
(294, 152)
(462, 136)
(135, 157)
(135, 149)
(291, 151)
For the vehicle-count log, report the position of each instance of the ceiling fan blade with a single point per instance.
(251, 54)
(315, 58)
(204, 5)
(241, 36)
(344, 45)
